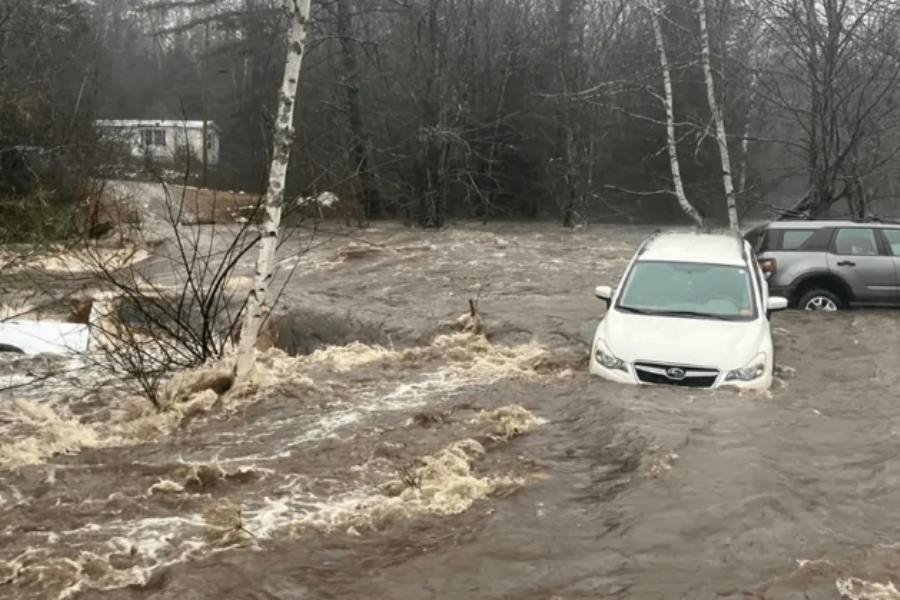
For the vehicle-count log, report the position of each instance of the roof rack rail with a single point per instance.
(876, 219)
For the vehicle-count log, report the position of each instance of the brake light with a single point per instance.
(768, 266)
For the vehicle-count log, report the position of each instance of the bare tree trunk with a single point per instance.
(433, 146)
(816, 191)
(80, 95)
(715, 109)
(205, 100)
(487, 199)
(686, 206)
(745, 139)
(571, 177)
(566, 26)
(258, 308)
(359, 151)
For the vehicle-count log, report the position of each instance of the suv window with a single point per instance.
(804, 240)
(855, 242)
(893, 240)
(818, 241)
(794, 238)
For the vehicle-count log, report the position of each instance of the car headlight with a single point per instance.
(754, 370)
(607, 359)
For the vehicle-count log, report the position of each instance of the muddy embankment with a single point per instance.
(395, 457)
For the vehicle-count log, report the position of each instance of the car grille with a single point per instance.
(681, 375)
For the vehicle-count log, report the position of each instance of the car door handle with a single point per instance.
(846, 263)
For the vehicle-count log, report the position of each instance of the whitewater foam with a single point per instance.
(852, 588)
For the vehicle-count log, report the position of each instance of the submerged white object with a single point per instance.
(323, 200)
(692, 310)
(37, 337)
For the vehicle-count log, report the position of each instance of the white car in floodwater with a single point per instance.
(691, 310)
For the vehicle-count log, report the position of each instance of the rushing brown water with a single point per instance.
(405, 467)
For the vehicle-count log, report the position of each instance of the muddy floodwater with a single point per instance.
(389, 455)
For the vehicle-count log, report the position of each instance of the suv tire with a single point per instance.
(820, 299)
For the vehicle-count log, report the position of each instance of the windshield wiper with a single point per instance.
(637, 311)
(677, 313)
(693, 315)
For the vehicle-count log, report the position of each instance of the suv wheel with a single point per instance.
(820, 300)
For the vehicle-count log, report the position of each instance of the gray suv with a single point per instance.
(830, 265)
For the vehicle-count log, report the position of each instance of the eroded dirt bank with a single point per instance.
(423, 463)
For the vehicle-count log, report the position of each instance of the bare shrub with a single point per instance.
(225, 524)
(176, 310)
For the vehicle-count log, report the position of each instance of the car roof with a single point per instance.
(801, 224)
(713, 248)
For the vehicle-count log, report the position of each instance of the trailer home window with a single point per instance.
(153, 137)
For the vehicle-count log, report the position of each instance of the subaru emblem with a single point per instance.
(675, 374)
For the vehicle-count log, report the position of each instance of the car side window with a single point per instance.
(893, 239)
(795, 238)
(819, 241)
(856, 242)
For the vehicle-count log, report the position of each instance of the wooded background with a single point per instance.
(487, 109)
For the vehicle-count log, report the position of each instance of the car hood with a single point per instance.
(684, 341)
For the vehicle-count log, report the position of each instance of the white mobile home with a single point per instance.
(165, 140)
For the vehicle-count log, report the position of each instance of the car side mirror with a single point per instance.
(604, 292)
(776, 303)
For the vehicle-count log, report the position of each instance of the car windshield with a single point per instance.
(688, 289)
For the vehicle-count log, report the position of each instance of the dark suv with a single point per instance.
(830, 265)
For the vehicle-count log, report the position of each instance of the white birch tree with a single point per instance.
(668, 101)
(258, 308)
(718, 118)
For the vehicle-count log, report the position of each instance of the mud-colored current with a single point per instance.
(396, 457)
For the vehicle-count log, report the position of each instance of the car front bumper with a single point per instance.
(760, 384)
